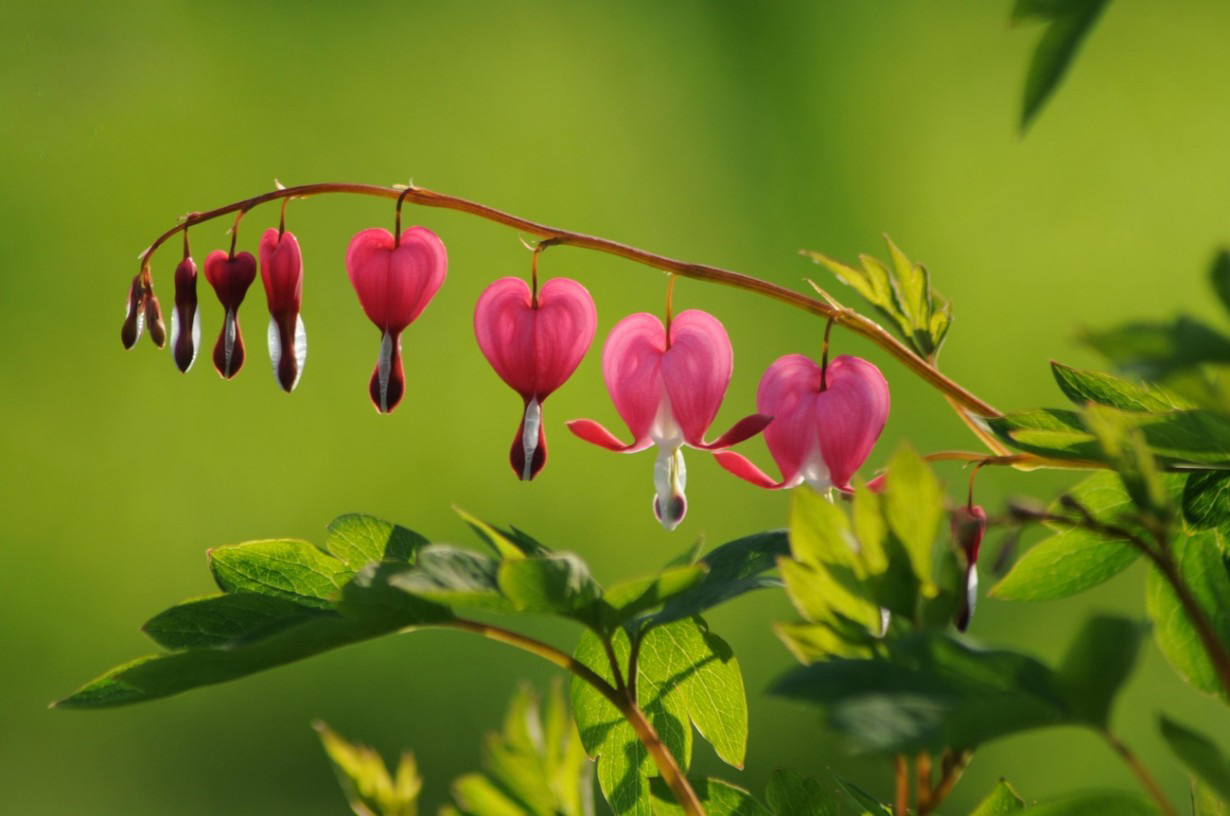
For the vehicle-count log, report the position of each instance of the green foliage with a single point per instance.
(1068, 23)
(1003, 801)
(863, 803)
(901, 292)
(368, 786)
(685, 674)
(791, 792)
(1200, 754)
(731, 570)
(1206, 499)
(1204, 564)
(1205, 802)
(1082, 386)
(930, 691)
(1095, 804)
(718, 798)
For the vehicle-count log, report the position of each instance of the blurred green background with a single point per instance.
(728, 133)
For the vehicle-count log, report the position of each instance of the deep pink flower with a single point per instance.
(969, 525)
(668, 392)
(230, 277)
(186, 316)
(282, 274)
(819, 435)
(394, 281)
(534, 344)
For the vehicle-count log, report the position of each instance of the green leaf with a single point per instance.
(1219, 273)
(507, 544)
(914, 507)
(1200, 754)
(218, 620)
(1055, 51)
(1003, 801)
(1156, 351)
(863, 802)
(1205, 802)
(932, 692)
(790, 792)
(1074, 560)
(718, 798)
(1083, 387)
(1096, 804)
(733, 569)
(685, 674)
(295, 570)
(453, 577)
(369, 788)
(558, 584)
(811, 642)
(1047, 432)
(1125, 447)
(358, 540)
(1205, 567)
(628, 599)
(1206, 499)
(1098, 663)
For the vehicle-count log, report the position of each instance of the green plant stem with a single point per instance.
(1141, 773)
(671, 773)
(847, 318)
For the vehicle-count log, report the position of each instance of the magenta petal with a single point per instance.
(741, 431)
(850, 414)
(631, 366)
(596, 434)
(281, 272)
(395, 283)
(742, 467)
(388, 382)
(786, 392)
(230, 277)
(185, 317)
(534, 350)
(696, 371)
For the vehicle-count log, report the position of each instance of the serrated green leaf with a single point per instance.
(1083, 386)
(480, 796)
(1125, 447)
(221, 619)
(811, 642)
(826, 580)
(914, 507)
(453, 577)
(1003, 801)
(285, 568)
(931, 692)
(1156, 351)
(372, 595)
(369, 788)
(1096, 804)
(358, 539)
(628, 599)
(558, 584)
(1206, 499)
(717, 797)
(1047, 432)
(1200, 754)
(1203, 562)
(864, 803)
(790, 792)
(1098, 663)
(1055, 52)
(507, 545)
(734, 568)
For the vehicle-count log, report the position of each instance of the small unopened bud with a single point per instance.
(153, 319)
(969, 525)
(185, 317)
(134, 318)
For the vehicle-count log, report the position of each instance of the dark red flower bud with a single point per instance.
(185, 317)
(230, 277)
(969, 525)
(153, 320)
(282, 274)
(134, 317)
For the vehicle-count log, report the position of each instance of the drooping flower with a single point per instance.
(825, 422)
(282, 274)
(969, 525)
(394, 279)
(534, 344)
(134, 314)
(186, 316)
(668, 390)
(230, 276)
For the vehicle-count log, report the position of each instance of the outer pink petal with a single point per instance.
(742, 467)
(281, 272)
(787, 392)
(563, 333)
(394, 285)
(631, 366)
(696, 371)
(849, 415)
(596, 434)
(367, 264)
(742, 430)
(504, 328)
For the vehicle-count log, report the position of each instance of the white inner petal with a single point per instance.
(300, 350)
(670, 479)
(815, 472)
(174, 330)
(275, 345)
(383, 367)
(229, 333)
(665, 430)
(529, 436)
(196, 336)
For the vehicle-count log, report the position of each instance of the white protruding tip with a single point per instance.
(529, 437)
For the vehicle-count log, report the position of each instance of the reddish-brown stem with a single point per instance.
(824, 355)
(951, 769)
(1141, 773)
(848, 319)
(661, 755)
(670, 306)
(1219, 655)
(901, 799)
(922, 770)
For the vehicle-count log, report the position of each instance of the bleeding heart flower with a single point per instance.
(186, 316)
(282, 274)
(534, 344)
(668, 391)
(969, 525)
(824, 423)
(230, 276)
(134, 314)
(394, 281)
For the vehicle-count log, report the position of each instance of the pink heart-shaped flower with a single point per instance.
(230, 277)
(282, 274)
(394, 281)
(819, 435)
(534, 344)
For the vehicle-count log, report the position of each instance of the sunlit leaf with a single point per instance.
(733, 569)
(1200, 754)
(1206, 499)
(358, 539)
(369, 788)
(717, 797)
(294, 570)
(790, 792)
(1083, 386)
(1003, 801)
